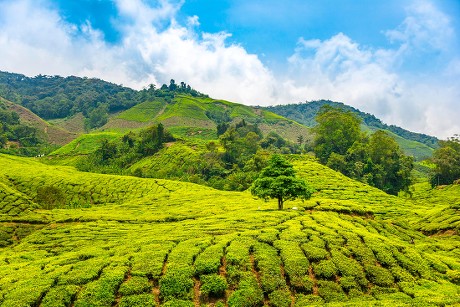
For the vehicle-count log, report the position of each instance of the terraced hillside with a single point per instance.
(188, 116)
(126, 241)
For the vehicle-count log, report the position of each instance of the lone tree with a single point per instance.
(278, 181)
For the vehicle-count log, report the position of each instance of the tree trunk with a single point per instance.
(280, 203)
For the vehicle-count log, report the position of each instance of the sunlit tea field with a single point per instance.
(69, 238)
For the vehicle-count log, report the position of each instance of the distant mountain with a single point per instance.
(416, 144)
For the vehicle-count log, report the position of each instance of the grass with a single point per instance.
(85, 144)
(143, 112)
(154, 242)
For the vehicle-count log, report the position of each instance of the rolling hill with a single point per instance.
(67, 102)
(416, 144)
(123, 241)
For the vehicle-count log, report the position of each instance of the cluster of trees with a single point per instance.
(376, 159)
(115, 156)
(447, 161)
(11, 130)
(58, 97)
(305, 113)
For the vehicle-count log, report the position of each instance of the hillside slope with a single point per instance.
(188, 116)
(419, 145)
(127, 241)
(47, 132)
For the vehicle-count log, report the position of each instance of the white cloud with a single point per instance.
(374, 80)
(154, 47)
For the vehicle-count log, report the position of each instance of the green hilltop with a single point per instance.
(82, 239)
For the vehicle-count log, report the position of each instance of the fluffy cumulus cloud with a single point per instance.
(154, 47)
(423, 98)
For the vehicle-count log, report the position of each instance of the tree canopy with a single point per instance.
(376, 160)
(337, 130)
(447, 161)
(278, 181)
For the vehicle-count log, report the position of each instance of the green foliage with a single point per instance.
(147, 300)
(12, 130)
(60, 296)
(177, 284)
(58, 97)
(154, 236)
(336, 132)
(331, 291)
(213, 285)
(447, 161)
(376, 160)
(98, 117)
(278, 181)
(116, 155)
(247, 295)
(50, 197)
(280, 298)
(135, 285)
(305, 113)
(268, 264)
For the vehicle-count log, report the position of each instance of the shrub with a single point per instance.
(135, 285)
(248, 294)
(302, 300)
(60, 296)
(280, 298)
(213, 285)
(178, 303)
(50, 197)
(330, 291)
(379, 276)
(325, 269)
(268, 264)
(314, 253)
(176, 284)
(247, 297)
(209, 260)
(145, 300)
(454, 276)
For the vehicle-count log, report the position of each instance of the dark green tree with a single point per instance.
(389, 168)
(98, 117)
(336, 132)
(278, 181)
(447, 161)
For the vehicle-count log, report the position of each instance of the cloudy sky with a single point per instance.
(397, 59)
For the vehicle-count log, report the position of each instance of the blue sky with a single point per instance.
(399, 60)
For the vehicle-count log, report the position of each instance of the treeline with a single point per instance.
(53, 97)
(305, 113)
(376, 159)
(447, 161)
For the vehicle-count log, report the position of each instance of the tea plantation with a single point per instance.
(69, 238)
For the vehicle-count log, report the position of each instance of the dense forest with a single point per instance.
(53, 97)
